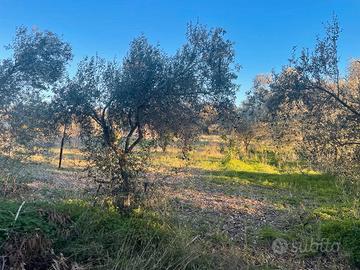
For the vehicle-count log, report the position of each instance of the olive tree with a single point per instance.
(120, 106)
(324, 105)
(36, 63)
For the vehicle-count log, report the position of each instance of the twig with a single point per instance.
(3, 262)
(192, 241)
(18, 211)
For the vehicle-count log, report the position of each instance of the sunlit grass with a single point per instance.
(169, 159)
(239, 165)
(297, 184)
(72, 158)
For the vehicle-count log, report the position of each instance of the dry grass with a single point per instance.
(72, 158)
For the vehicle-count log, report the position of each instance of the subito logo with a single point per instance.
(279, 246)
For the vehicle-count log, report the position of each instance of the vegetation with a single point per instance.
(160, 169)
(43, 234)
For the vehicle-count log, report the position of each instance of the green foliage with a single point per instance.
(347, 232)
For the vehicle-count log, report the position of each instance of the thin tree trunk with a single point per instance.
(62, 147)
(246, 143)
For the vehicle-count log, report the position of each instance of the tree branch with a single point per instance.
(138, 139)
(128, 137)
(333, 95)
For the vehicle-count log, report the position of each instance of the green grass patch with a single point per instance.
(269, 234)
(305, 186)
(347, 233)
(102, 238)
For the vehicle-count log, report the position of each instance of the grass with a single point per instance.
(347, 233)
(313, 206)
(269, 234)
(323, 208)
(72, 158)
(101, 239)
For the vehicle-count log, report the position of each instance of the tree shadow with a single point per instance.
(320, 186)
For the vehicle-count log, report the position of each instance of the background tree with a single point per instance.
(61, 113)
(323, 105)
(36, 64)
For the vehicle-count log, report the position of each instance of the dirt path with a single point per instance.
(44, 182)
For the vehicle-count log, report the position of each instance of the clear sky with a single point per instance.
(264, 31)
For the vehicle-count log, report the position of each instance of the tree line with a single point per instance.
(125, 108)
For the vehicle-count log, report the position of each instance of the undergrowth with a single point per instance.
(94, 238)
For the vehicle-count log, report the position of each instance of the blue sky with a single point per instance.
(264, 31)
